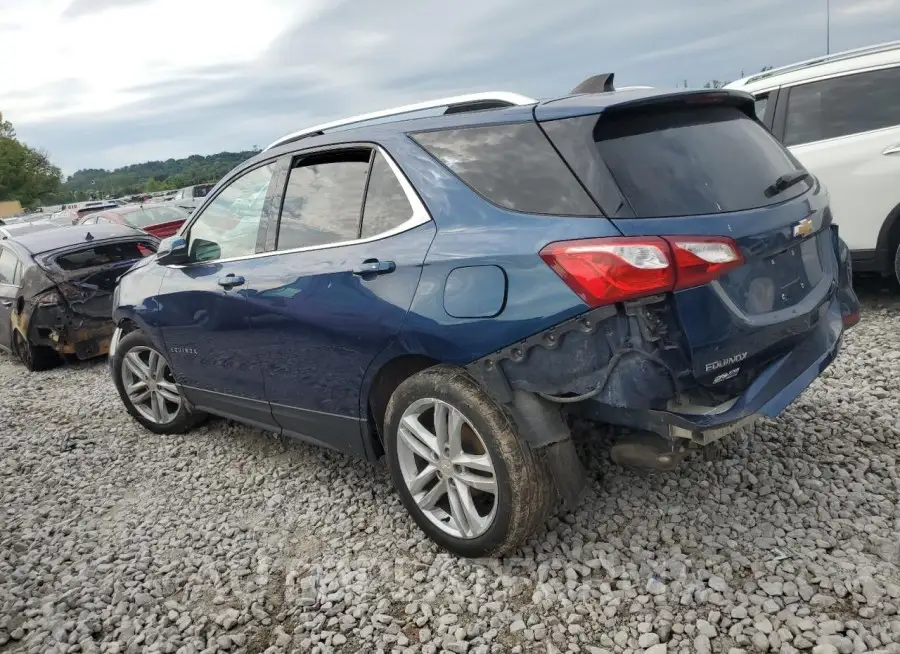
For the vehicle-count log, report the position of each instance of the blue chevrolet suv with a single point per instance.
(450, 290)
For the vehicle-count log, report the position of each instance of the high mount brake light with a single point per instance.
(607, 270)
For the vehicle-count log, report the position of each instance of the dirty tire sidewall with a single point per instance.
(525, 492)
(186, 418)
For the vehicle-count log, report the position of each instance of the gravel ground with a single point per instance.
(781, 539)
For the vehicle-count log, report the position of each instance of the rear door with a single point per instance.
(348, 252)
(846, 130)
(701, 165)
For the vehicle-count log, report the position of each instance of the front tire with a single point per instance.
(461, 469)
(145, 383)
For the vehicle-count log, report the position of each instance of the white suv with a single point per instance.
(840, 116)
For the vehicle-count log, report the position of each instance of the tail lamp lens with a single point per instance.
(46, 299)
(702, 259)
(607, 270)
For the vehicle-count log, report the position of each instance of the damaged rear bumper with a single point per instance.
(81, 337)
(770, 393)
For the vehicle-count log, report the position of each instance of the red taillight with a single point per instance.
(701, 259)
(607, 270)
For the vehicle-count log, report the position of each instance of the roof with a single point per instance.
(12, 229)
(62, 237)
(875, 56)
(362, 129)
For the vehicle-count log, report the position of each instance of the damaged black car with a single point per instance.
(56, 289)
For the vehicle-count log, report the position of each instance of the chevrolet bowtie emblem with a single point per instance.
(803, 228)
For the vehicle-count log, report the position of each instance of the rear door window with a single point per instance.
(386, 205)
(323, 200)
(683, 161)
(104, 254)
(845, 105)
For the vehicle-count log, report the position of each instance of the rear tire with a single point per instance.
(147, 388)
(35, 357)
(443, 474)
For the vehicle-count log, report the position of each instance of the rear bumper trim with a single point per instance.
(773, 390)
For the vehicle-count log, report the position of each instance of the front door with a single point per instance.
(207, 322)
(336, 290)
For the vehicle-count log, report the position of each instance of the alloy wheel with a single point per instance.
(447, 468)
(150, 386)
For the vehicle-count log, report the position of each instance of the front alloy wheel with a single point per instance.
(146, 384)
(150, 386)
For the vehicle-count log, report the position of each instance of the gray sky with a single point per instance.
(105, 83)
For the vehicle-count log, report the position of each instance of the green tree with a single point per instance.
(6, 129)
(26, 174)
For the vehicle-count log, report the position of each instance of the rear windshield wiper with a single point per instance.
(785, 182)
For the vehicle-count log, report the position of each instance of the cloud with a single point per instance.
(80, 8)
(153, 87)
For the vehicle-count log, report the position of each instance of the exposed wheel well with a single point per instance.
(127, 326)
(386, 381)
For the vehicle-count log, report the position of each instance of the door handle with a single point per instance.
(7, 304)
(892, 149)
(374, 267)
(230, 281)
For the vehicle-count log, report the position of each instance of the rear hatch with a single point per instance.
(86, 276)
(698, 164)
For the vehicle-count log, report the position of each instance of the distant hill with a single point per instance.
(149, 176)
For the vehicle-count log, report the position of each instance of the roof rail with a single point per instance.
(454, 104)
(827, 59)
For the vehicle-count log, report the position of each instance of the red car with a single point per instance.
(160, 221)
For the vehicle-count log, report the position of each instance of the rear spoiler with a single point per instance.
(702, 97)
(602, 83)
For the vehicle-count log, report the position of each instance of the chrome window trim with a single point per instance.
(420, 216)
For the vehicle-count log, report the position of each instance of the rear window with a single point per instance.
(139, 218)
(104, 254)
(513, 166)
(683, 162)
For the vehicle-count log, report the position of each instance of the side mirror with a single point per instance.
(172, 250)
